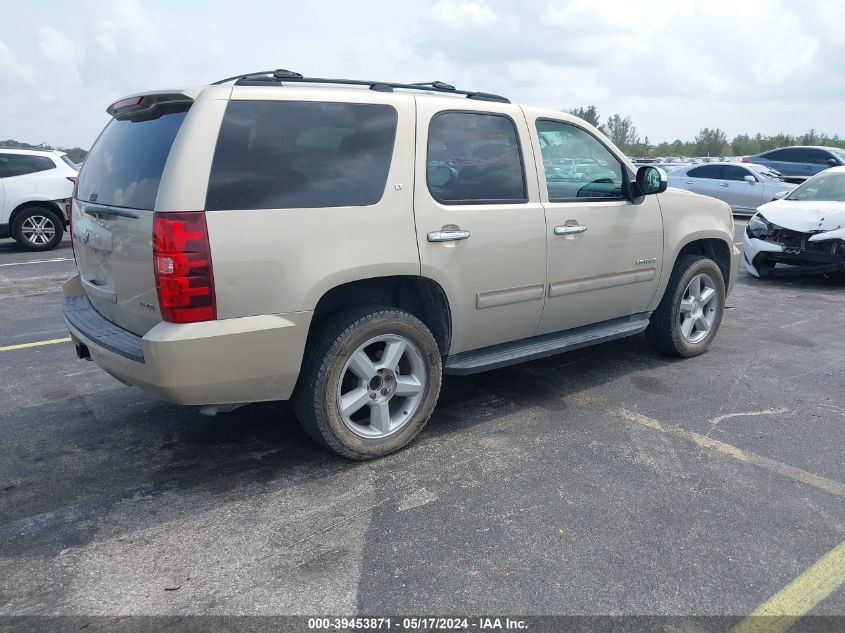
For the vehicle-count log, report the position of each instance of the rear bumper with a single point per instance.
(249, 359)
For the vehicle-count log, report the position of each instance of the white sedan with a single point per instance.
(744, 186)
(803, 232)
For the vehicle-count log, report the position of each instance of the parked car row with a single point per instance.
(35, 191)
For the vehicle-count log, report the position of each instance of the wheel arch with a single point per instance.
(714, 248)
(420, 296)
(711, 244)
(37, 204)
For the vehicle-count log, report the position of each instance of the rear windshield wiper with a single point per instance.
(112, 212)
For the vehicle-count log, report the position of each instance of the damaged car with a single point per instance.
(801, 233)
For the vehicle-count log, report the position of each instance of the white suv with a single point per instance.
(344, 243)
(35, 191)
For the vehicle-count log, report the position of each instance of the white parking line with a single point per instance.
(39, 261)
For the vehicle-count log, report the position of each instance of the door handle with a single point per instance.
(689, 182)
(570, 229)
(724, 184)
(449, 235)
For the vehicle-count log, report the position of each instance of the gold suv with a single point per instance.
(345, 243)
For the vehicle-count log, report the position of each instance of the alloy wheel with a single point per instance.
(381, 386)
(38, 230)
(699, 306)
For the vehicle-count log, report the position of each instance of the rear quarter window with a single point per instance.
(12, 165)
(125, 165)
(706, 171)
(297, 154)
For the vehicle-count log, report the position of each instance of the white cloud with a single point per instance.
(60, 53)
(461, 15)
(750, 65)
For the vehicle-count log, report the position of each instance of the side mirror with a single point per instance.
(780, 194)
(650, 180)
(832, 162)
(440, 175)
(749, 178)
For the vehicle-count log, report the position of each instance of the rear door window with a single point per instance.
(22, 164)
(789, 155)
(297, 154)
(706, 171)
(474, 158)
(125, 165)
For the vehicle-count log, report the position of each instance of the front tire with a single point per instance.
(369, 382)
(38, 229)
(690, 313)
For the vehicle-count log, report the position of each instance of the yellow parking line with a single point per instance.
(822, 483)
(781, 611)
(9, 348)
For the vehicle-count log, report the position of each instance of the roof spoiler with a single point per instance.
(140, 105)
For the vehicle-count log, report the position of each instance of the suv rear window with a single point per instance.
(125, 165)
(301, 154)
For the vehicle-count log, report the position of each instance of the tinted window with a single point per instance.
(125, 165)
(706, 171)
(789, 155)
(825, 187)
(732, 172)
(576, 164)
(817, 156)
(474, 158)
(296, 154)
(22, 164)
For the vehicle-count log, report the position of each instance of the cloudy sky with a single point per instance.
(673, 66)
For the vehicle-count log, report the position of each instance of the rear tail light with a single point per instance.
(182, 267)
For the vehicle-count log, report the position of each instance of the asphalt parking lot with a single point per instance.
(611, 480)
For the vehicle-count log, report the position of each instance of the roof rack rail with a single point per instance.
(280, 76)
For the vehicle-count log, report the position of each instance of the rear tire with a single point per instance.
(369, 382)
(38, 229)
(690, 313)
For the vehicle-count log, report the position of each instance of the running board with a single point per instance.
(536, 347)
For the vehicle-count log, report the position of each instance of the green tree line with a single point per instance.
(708, 142)
(76, 154)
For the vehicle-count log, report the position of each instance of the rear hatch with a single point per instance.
(113, 208)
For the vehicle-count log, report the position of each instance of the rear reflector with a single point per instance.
(182, 267)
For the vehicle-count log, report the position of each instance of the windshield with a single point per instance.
(767, 173)
(825, 187)
(840, 154)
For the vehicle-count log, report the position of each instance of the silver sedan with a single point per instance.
(744, 186)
